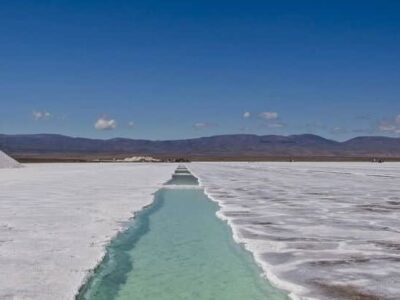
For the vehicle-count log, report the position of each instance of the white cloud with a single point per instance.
(246, 115)
(271, 120)
(269, 115)
(131, 124)
(40, 115)
(105, 124)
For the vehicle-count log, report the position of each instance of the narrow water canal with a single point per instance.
(178, 249)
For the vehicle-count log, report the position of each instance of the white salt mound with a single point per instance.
(7, 162)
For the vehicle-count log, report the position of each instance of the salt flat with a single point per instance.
(55, 220)
(319, 230)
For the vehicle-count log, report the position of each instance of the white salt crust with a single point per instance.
(56, 219)
(314, 226)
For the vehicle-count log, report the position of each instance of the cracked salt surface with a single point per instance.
(55, 220)
(319, 230)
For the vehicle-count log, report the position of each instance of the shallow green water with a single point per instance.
(183, 179)
(178, 249)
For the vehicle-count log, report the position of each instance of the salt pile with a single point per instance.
(7, 162)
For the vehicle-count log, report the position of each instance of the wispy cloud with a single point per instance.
(391, 126)
(388, 127)
(338, 130)
(246, 114)
(202, 125)
(269, 115)
(276, 125)
(40, 115)
(104, 123)
(131, 124)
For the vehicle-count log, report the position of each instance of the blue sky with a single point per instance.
(179, 69)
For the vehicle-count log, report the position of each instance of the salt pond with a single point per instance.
(319, 230)
(178, 249)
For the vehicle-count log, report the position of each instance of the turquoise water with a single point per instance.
(178, 249)
(183, 179)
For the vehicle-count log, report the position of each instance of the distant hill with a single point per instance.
(238, 145)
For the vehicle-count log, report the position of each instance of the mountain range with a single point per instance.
(221, 146)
